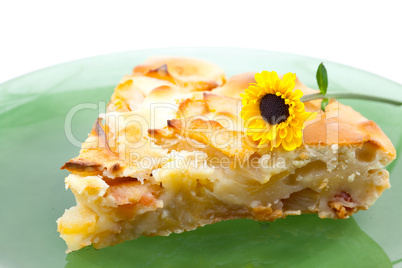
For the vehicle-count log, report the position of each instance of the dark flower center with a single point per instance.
(273, 109)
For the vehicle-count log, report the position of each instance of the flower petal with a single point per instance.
(297, 133)
(259, 79)
(289, 136)
(289, 145)
(311, 116)
(289, 80)
(297, 94)
(299, 107)
(283, 133)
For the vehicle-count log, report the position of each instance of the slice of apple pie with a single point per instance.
(171, 154)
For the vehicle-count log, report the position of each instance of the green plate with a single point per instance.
(34, 143)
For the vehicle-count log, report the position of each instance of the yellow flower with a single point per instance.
(273, 113)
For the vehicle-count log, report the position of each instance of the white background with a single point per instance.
(362, 34)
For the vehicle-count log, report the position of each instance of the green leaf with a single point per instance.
(322, 78)
(324, 104)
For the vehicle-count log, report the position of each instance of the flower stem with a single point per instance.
(335, 95)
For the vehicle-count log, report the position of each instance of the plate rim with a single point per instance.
(150, 50)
